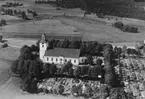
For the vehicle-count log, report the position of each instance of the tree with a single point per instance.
(53, 69)
(108, 57)
(34, 14)
(117, 93)
(70, 72)
(74, 44)
(76, 90)
(3, 22)
(25, 68)
(25, 52)
(77, 72)
(33, 86)
(65, 43)
(128, 51)
(34, 48)
(95, 71)
(101, 93)
(24, 16)
(84, 70)
(99, 61)
(4, 45)
(89, 60)
(109, 76)
(35, 69)
(26, 83)
(49, 69)
(60, 89)
(66, 67)
(118, 25)
(83, 48)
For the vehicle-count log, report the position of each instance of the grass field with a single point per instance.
(89, 27)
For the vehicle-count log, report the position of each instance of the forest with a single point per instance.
(121, 8)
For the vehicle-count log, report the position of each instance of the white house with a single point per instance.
(59, 55)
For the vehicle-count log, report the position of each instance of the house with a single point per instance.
(58, 55)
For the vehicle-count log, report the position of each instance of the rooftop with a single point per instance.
(65, 52)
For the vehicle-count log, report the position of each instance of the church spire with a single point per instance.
(43, 38)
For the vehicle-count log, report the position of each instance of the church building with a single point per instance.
(58, 55)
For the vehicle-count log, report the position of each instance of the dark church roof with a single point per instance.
(65, 52)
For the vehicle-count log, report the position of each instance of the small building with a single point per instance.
(59, 55)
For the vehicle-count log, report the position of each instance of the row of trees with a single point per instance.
(19, 13)
(61, 3)
(12, 4)
(87, 47)
(126, 28)
(85, 71)
(28, 66)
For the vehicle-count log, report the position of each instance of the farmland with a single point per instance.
(88, 29)
(73, 23)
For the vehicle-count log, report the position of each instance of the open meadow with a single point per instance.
(89, 29)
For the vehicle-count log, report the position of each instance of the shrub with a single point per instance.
(4, 45)
(3, 22)
(60, 89)
(99, 61)
(100, 15)
(76, 90)
(118, 25)
(125, 28)
(131, 29)
(77, 72)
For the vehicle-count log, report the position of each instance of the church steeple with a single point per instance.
(43, 38)
(42, 47)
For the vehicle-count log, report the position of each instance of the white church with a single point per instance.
(59, 55)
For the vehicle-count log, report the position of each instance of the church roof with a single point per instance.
(65, 52)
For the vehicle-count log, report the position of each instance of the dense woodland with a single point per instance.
(122, 8)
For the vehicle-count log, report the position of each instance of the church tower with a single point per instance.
(42, 47)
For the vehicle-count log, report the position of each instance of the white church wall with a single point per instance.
(57, 60)
(43, 48)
